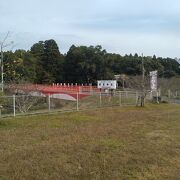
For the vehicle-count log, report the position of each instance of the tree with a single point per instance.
(52, 62)
(45, 64)
(18, 66)
(85, 64)
(49, 65)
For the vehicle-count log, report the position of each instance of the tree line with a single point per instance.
(45, 64)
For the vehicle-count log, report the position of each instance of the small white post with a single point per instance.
(159, 92)
(169, 93)
(120, 99)
(49, 102)
(100, 99)
(137, 98)
(0, 113)
(77, 102)
(151, 95)
(14, 105)
(157, 96)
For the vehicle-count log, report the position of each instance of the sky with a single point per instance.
(119, 26)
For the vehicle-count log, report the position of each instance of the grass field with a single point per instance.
(110, 143)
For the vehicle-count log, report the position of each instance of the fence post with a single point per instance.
(169, 93)
(77, 102)
(120, 101)
(14, 105)
(157, 96)
(49, 102)
(137, 98)
(151, 95)
(159, 92)
(100, 99)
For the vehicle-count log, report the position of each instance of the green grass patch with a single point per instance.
(111, 143)
(107, 143)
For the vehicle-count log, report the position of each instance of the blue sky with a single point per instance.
(120, 26)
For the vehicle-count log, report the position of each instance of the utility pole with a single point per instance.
(2, 68)
(2, 46)
(143, 73)
(143, 82)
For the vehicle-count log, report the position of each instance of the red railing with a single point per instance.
(55, 88)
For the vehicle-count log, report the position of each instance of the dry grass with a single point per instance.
(110, 143)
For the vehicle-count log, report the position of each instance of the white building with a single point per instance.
(107, 84)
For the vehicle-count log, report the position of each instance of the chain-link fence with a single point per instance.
(25, 104)
(171, 96)
(7, 106)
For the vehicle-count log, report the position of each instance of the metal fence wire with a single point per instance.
(26, 104)
(171, 96)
